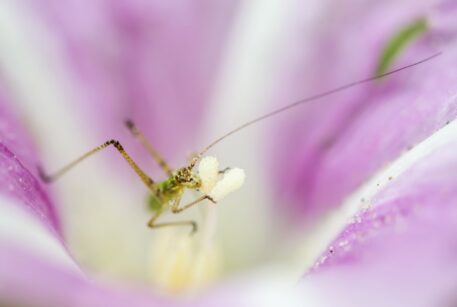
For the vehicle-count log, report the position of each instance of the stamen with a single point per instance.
(231, 181)
(208, 171)
(178, 264)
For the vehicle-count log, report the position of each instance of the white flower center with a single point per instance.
(179, 261)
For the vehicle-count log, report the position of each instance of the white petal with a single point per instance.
(18, 227)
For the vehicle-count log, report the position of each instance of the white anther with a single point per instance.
(208, 171)
(232, 180)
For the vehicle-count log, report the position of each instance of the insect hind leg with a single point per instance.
(151, 150)
(145, 178)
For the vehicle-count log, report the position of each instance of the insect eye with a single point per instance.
(183, 179)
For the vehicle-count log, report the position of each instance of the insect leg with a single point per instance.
(152, 223)
(190, 223)
(175, 208)
(162, 163)
(145, 178)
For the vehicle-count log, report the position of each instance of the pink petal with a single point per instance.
(329, 147)
(151, 61)
(18, 161)
(401, 251)
(27, 280)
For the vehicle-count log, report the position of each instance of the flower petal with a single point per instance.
(153, 62)
(18, 160)
(78, 70)
(28, 280)
(401, 249)
(329, 147)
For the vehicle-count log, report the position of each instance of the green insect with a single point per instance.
(166, 195)
(163, 195)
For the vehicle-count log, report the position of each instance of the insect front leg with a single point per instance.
(176, 209)
(190, 223)
(223, 171)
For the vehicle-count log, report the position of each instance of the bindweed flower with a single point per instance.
(350, 203)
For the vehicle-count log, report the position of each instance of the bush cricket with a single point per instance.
(166, 195)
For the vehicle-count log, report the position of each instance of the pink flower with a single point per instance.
(368, 174)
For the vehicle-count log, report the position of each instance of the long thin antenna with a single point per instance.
(309, 99)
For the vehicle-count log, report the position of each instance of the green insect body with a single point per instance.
(172, 189)
(168, 193)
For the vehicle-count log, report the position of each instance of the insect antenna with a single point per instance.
(309, 99)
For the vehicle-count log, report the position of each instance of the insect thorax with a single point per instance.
(167, 191)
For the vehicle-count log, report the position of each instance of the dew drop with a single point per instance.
(343, 243)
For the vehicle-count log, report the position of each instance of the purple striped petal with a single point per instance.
(31, 277)
(151, 61)
(331, 146)
(42, 275)
(402, 250)
(185, 59)
(28, 280)
(18, 160)
(89, 66)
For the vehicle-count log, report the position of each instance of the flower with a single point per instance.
(377, 213)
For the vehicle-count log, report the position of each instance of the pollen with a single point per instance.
(232, 181)
(208, 171)
(214, 186)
